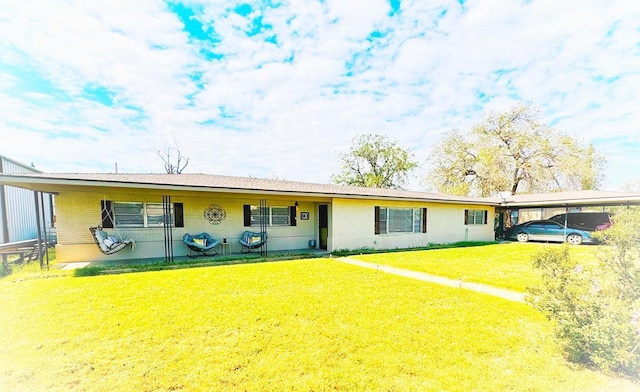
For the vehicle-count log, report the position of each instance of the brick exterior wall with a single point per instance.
(351, 223)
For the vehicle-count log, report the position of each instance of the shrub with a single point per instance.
(596, 307)
(87, 271)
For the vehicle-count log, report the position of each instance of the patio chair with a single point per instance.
(252, 240)
(202, 244)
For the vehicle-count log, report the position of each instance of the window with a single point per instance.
(475, 217)
(400, 220)
(275, 216)
(139, 214)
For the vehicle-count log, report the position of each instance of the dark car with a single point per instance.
(590, 221)
(546, 230)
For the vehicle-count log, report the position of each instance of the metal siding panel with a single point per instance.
(11, 167)
(2, 235)
(20, 206)
(21, 214)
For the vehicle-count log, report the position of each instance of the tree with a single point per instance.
(512, 151)
(375, 161)
(632, 186)
(169, 166)
(596, 307)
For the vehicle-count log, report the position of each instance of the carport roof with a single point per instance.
(573, 198)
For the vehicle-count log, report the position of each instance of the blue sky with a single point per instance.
(278, 89)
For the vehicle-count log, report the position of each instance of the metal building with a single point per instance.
(24, 214)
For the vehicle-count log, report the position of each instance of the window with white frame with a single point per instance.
(139, 214)
(475, 217)
(275, 216)
(389, 220)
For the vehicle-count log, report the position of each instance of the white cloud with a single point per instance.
(286, 109)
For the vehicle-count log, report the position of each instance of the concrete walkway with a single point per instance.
(72, 266)
(478, 287)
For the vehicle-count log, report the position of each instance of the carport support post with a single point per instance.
(38, 225)
(566, 220)
(45, 244)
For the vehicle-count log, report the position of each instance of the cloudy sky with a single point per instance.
(279, 88)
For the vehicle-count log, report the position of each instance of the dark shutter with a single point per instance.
(293, 218)
(424, 220)
(247, 215)
(376, 220)
(485, 216)
(466, 216)
(106, 206)
(178, 211)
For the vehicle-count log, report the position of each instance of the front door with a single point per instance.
(323, 225)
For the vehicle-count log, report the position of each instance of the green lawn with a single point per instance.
(298, 325)
(506, 265)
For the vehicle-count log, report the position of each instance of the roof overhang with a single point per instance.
(55, 185)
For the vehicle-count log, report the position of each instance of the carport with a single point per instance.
(516, 209)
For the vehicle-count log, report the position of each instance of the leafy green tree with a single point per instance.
(375, 161)
(596, 308)
(512, 151)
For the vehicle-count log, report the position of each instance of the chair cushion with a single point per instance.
(109, 241)
(200, 241)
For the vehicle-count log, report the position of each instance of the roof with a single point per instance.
(54, 182)
(25, 168)
(573, 198)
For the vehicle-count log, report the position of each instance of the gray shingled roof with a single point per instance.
(52, 182)
(212, 182)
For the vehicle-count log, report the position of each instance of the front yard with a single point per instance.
(506, 265)
(297, 325)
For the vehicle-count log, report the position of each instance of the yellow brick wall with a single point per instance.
(76, 211)
(351, 223)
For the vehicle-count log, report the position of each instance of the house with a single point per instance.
(21, 208)
(298, 214)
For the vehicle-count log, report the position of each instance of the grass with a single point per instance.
(296, 325)
(366, 250)
(124, 266)
(506, 265)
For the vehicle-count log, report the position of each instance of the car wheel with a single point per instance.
(574, 239)
(522, 237)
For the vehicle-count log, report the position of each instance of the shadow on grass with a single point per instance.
(364, 251)
(142, 266)
(137, 266)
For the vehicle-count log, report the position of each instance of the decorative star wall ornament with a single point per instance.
(215, 214)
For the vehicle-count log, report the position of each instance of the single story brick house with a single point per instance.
(297, 215)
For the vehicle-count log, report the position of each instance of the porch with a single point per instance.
(116, 266)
